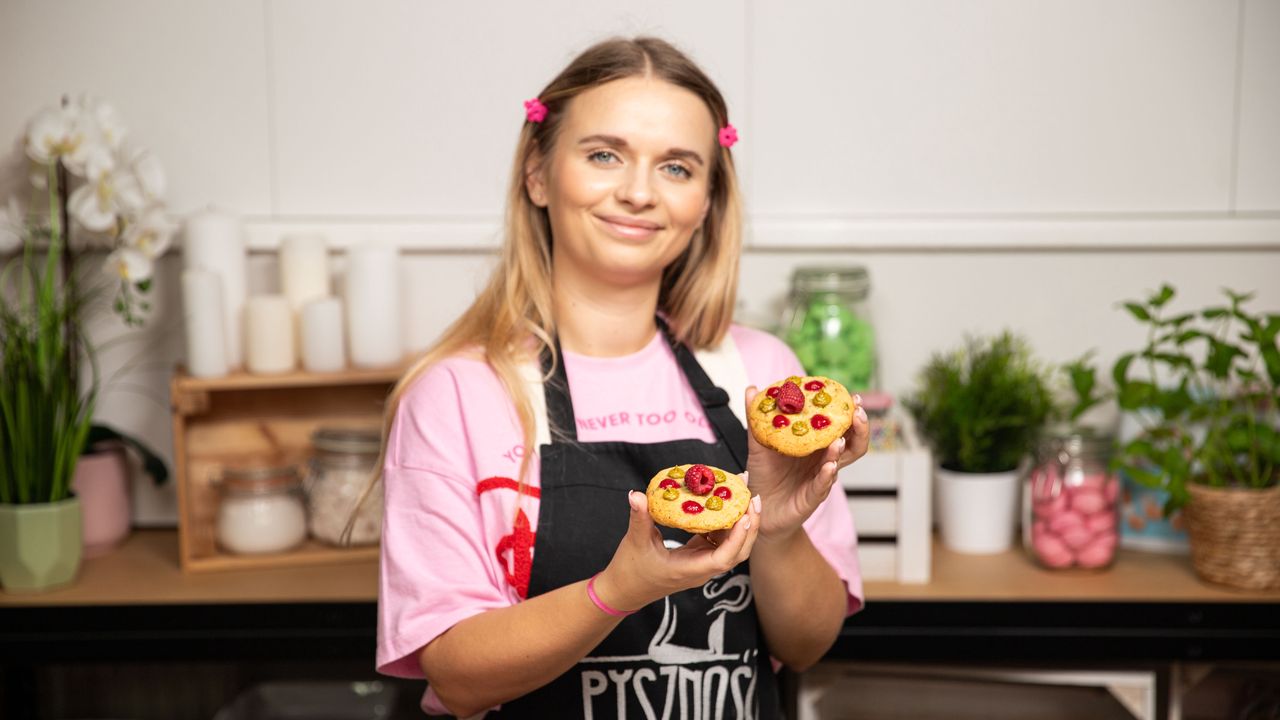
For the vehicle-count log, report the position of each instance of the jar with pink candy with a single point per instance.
(1072, 501)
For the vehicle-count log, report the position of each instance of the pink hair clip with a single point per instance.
(534, 110)
(728, 135)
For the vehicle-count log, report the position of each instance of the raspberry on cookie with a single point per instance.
(697, 498)
(801, 415)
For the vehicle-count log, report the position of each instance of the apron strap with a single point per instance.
(560, 419)
(715, 401)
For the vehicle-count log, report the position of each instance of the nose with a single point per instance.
(636, 188)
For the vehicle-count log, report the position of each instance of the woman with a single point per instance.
(599, 353)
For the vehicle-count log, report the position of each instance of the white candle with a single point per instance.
(214, 240)
(202, 317)
(373, 306)
(322, 342)
(269, 323)
(304, 269)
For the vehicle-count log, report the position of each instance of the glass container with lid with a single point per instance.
(1071, 502)
(261, 509)
(826, 323)
(344, 460)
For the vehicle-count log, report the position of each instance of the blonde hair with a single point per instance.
(511, 320)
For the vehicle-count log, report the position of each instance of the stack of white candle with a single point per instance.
(214, 289)
(304, 323)
(373, 305)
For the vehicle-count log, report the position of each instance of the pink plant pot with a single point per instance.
(101, 482)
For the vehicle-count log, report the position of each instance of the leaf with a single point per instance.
(1238, 298)
(1221, 354)
(1120, 371)
(1136, 395)
(1271, 357)
(1138, 311)
(1214, 313)
(1166, 294)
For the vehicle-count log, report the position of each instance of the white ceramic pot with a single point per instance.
(977, 512)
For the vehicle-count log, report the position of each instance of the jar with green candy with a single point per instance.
(826, 323)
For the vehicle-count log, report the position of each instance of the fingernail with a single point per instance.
(631, 499)
(755, 503)
(746, 525)
(744, 477)
(857, 399)
(840, 445)
(862, 413)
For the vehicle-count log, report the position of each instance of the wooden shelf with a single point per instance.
(145, 570)
(256, 420)
(297, 379)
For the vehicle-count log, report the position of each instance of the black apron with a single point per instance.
(698, 654)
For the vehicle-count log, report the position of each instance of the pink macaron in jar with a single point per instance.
(1071, 502)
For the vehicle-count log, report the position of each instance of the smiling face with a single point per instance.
(627, 182)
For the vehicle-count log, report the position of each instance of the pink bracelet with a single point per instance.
(591, 593)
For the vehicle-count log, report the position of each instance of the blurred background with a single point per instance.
(992, 164)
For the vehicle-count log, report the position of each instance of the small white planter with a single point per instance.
(977, 512)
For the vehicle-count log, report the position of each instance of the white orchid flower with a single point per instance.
(146, 168)
(56, 133)
(101, 121)
(108, 192)
(11, 229)
(129, 264)
(151, 233)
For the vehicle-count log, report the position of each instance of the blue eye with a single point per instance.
(602, 156)
(680, 171)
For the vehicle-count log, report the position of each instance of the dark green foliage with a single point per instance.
(982, 407)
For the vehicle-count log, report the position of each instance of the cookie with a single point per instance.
(697, 498)
(801, 415)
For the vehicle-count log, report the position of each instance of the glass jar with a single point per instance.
(343, 462)
(1072, 501)
(261, 510)
(826, 323)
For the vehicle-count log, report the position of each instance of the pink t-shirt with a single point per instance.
(455, 447)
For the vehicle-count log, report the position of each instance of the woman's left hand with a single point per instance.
(790, 488)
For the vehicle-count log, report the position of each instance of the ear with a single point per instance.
(535, 180)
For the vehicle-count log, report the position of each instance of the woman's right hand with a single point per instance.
(643, 569)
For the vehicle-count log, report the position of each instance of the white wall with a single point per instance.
(994, 164)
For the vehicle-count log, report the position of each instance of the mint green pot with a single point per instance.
(40, 545)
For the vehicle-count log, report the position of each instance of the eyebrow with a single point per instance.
(619, 142)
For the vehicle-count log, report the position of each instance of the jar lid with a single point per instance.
(851, 280)
(260, 479)
(1081, 441)
(348, 440)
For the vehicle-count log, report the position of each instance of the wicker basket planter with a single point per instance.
(1235, 535)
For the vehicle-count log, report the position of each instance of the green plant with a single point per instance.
(45, 416)
(981, 407)
(1205, 388)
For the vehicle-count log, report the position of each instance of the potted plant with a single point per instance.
(86, 176)
(980, 408)
(44, 420)
(1205, 387)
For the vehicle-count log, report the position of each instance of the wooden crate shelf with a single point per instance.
(244, 419)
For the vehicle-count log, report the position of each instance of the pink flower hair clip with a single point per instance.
(534, 110)
(728, 135)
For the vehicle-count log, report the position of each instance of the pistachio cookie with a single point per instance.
(697, 498)
(801, 415)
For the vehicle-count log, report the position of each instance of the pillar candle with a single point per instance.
(323, 349)
(202, 310)
(214, 240)
(269, 325)
(304, 269)
(373, 306)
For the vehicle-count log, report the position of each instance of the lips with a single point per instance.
(629, 227)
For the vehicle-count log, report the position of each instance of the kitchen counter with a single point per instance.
(136, 603)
